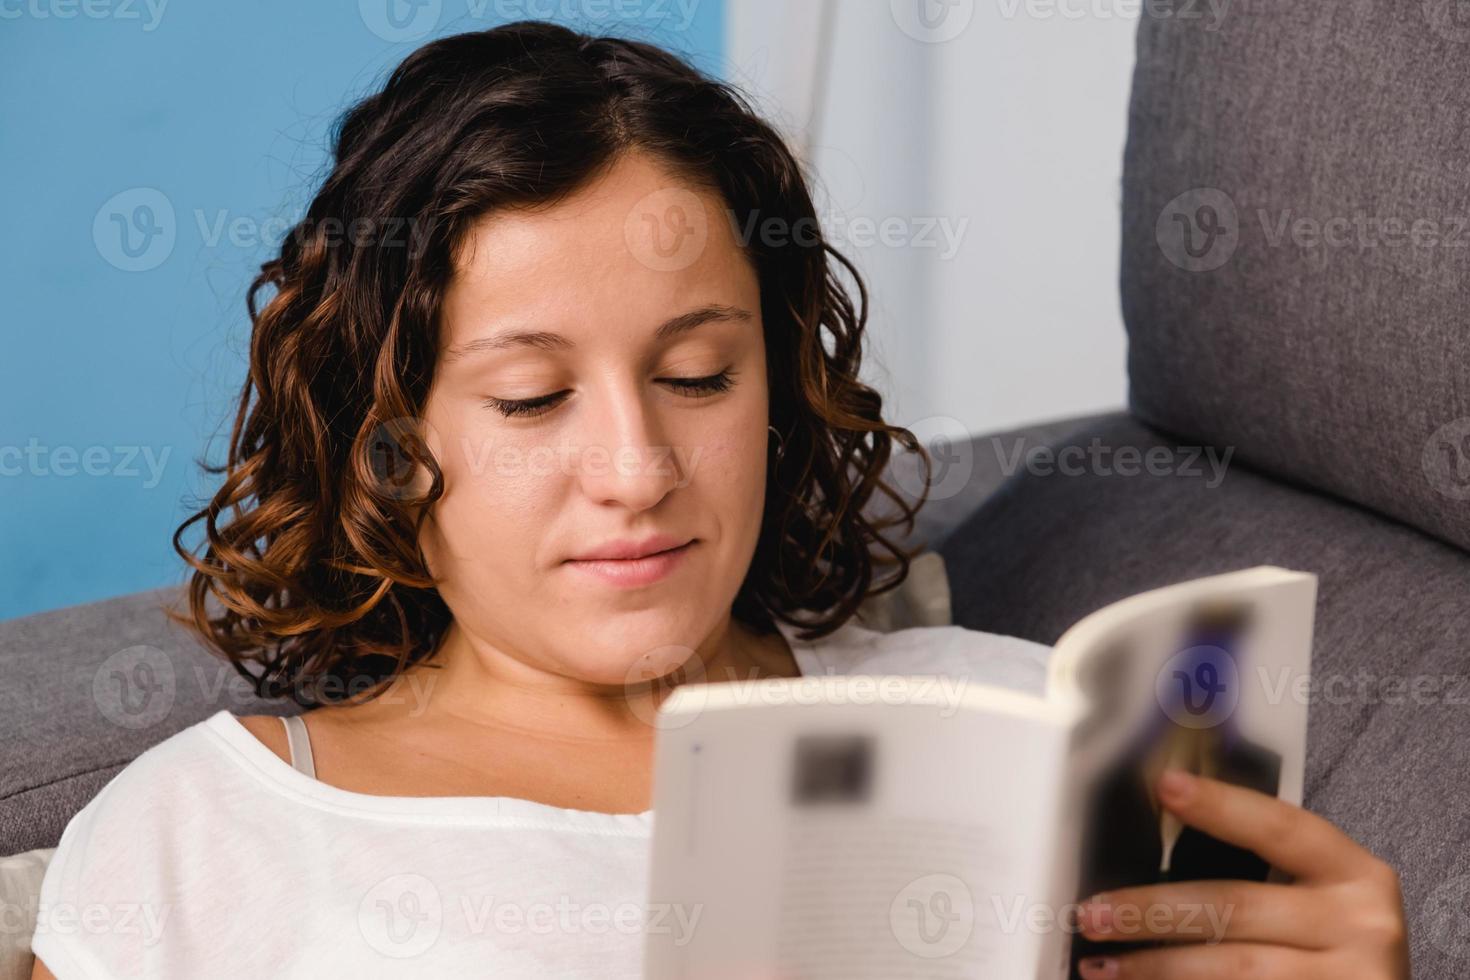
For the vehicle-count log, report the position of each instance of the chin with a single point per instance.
(637, 646)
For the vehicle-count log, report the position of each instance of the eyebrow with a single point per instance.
(544, 340)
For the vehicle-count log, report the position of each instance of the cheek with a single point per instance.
(496, 499)
(727, 471)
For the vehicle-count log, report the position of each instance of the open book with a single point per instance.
(892, 827)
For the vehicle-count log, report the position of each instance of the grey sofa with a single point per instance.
(1332, 380)
(1294, 284)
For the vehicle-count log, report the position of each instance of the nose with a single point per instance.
(626, 459)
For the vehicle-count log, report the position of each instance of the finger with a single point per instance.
(1294, 840)
(1226, 961)
(1211, 912)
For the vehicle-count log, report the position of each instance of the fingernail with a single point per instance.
(1097, 914)
(1100, 968)
(1176, 784)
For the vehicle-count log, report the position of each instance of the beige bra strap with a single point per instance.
(300, 744)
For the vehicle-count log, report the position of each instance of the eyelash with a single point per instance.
(531, 407)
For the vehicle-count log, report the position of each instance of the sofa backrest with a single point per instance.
(1296, 244)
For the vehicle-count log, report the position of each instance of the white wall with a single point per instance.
(1005, 128)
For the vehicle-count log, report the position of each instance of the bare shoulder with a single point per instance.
(269, 730)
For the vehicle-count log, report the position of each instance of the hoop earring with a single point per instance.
(780, 442)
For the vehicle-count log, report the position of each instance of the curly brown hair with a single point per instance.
(317, 573)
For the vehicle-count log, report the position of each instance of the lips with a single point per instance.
(627, 549)
(637, 572)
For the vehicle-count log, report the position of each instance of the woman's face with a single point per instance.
(639, 409)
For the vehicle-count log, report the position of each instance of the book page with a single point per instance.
(1209, 676)
(889, 839)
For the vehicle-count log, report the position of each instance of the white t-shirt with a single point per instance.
(210, 856)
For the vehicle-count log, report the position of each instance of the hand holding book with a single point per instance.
(1341, 916)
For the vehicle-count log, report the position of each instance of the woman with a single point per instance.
(555, 405)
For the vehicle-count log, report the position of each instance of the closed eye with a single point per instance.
(703, 387)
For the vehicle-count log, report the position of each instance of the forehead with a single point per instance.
(626, 249)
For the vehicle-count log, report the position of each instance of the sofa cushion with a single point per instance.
(1296, 244)
(86, 690)
(1384, 762)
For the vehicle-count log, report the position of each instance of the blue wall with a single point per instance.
(201, 129)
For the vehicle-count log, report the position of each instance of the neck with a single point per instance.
(480, 684)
